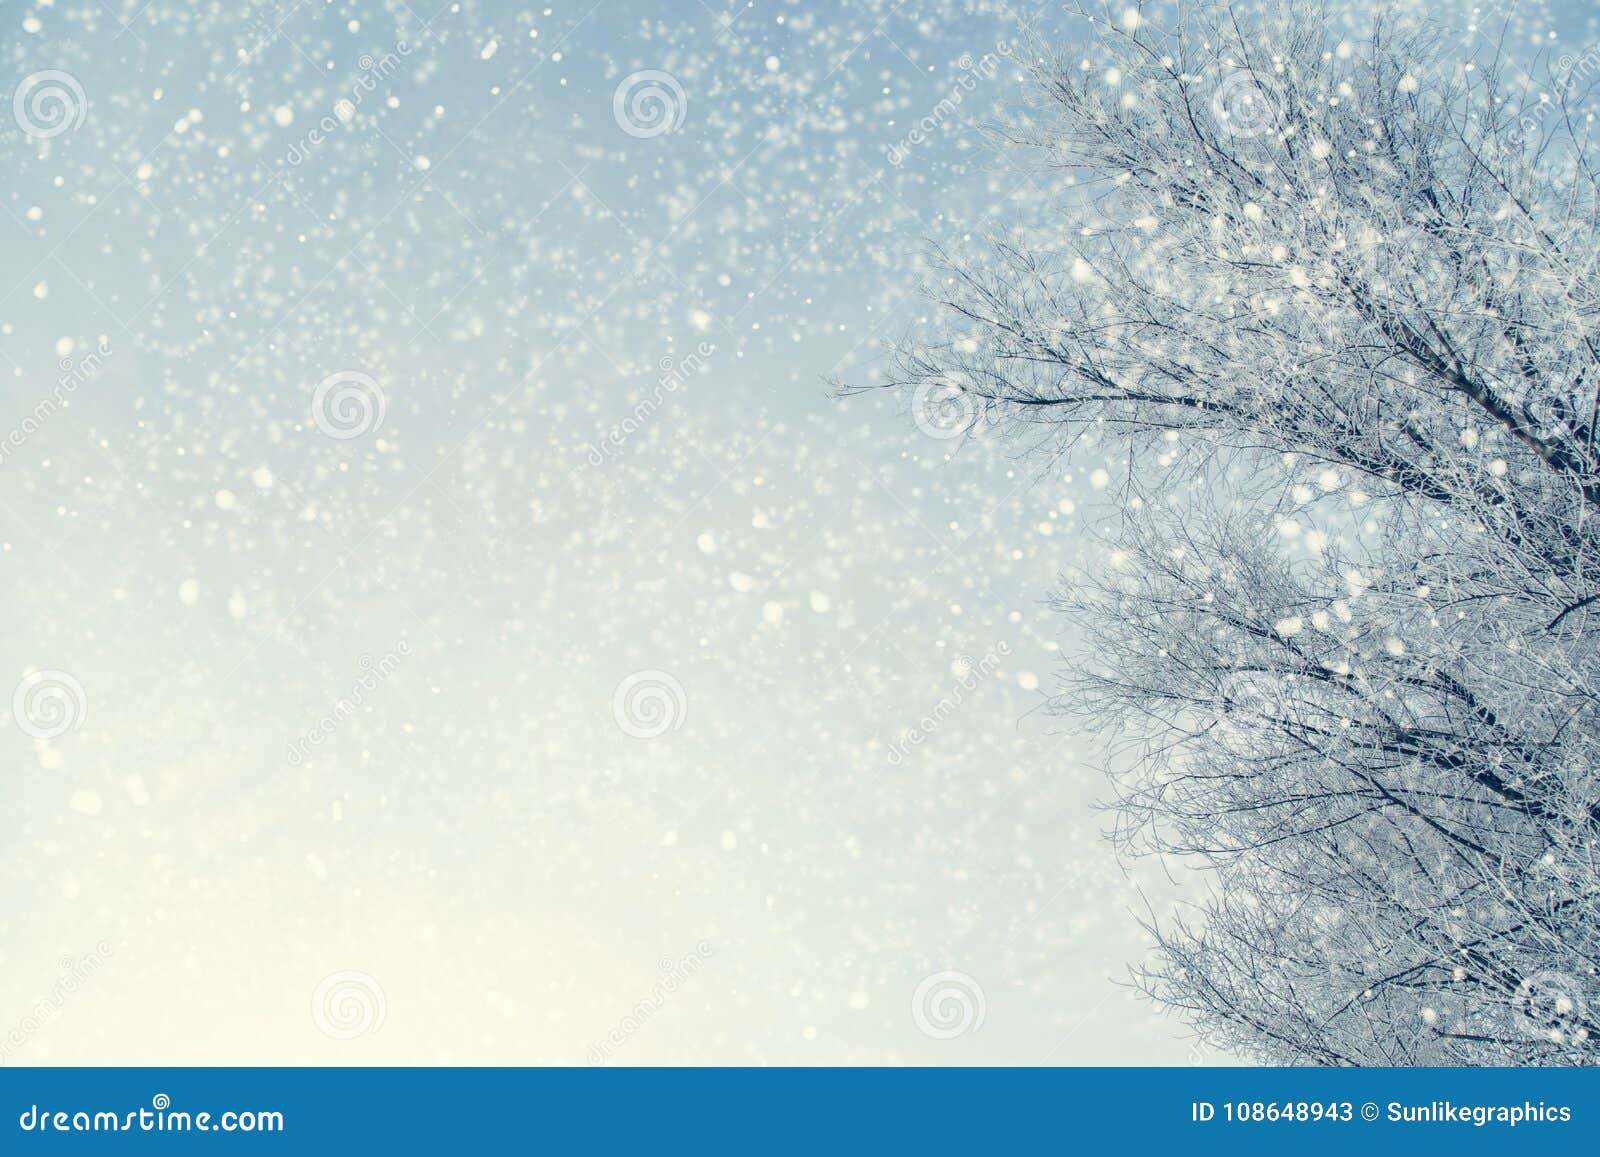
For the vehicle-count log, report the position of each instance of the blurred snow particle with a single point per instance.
(85, 801)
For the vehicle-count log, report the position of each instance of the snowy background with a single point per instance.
(453, 620)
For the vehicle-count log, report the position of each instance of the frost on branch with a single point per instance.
(1337, 294)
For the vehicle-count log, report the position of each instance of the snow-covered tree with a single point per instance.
(1334, 295)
